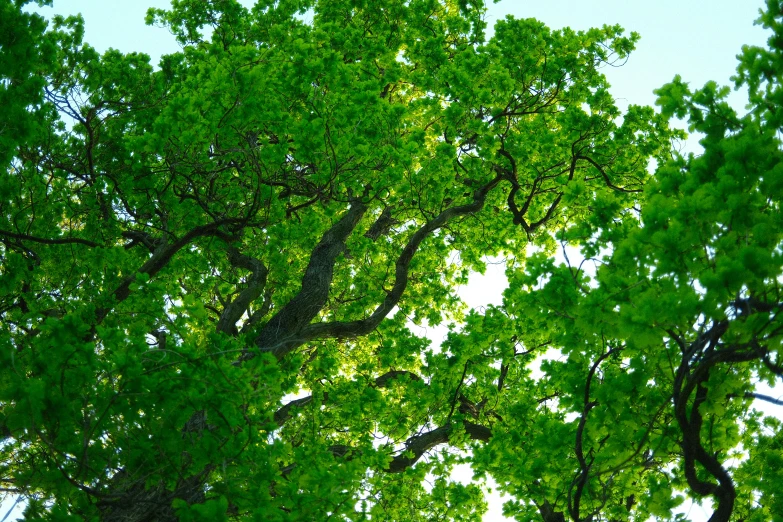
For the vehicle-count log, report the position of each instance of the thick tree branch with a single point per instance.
(548, 514)
(360, 327)
(776, 368)
(382, 225)
(284, 413)
(137, 237)
(282, 333)
(140, 501)
(259, 313)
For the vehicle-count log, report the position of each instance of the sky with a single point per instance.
(697, 39)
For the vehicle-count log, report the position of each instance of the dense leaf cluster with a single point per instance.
(211, 269)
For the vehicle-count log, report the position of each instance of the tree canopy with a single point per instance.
(212, 269)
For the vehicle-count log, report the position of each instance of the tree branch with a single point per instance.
(548, 514)
(284, 413)
(46, 241)
(420, 444)
(758, 396)
(160, 259)
(608, 182)
(255, 287)
(580, 481)
(705, 353)
(259, 313)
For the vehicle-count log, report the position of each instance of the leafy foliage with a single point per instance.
(211, 268)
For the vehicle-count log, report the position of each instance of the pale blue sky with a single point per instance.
(697, 39)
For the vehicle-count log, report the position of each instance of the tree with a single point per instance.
(210, 268)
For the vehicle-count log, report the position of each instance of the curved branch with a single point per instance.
(383, 380)
(416, 445)
(776, 368)
(693, 379)
(520, 213)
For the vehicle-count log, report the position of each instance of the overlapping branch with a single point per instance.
(690, 381)
(415, 446)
